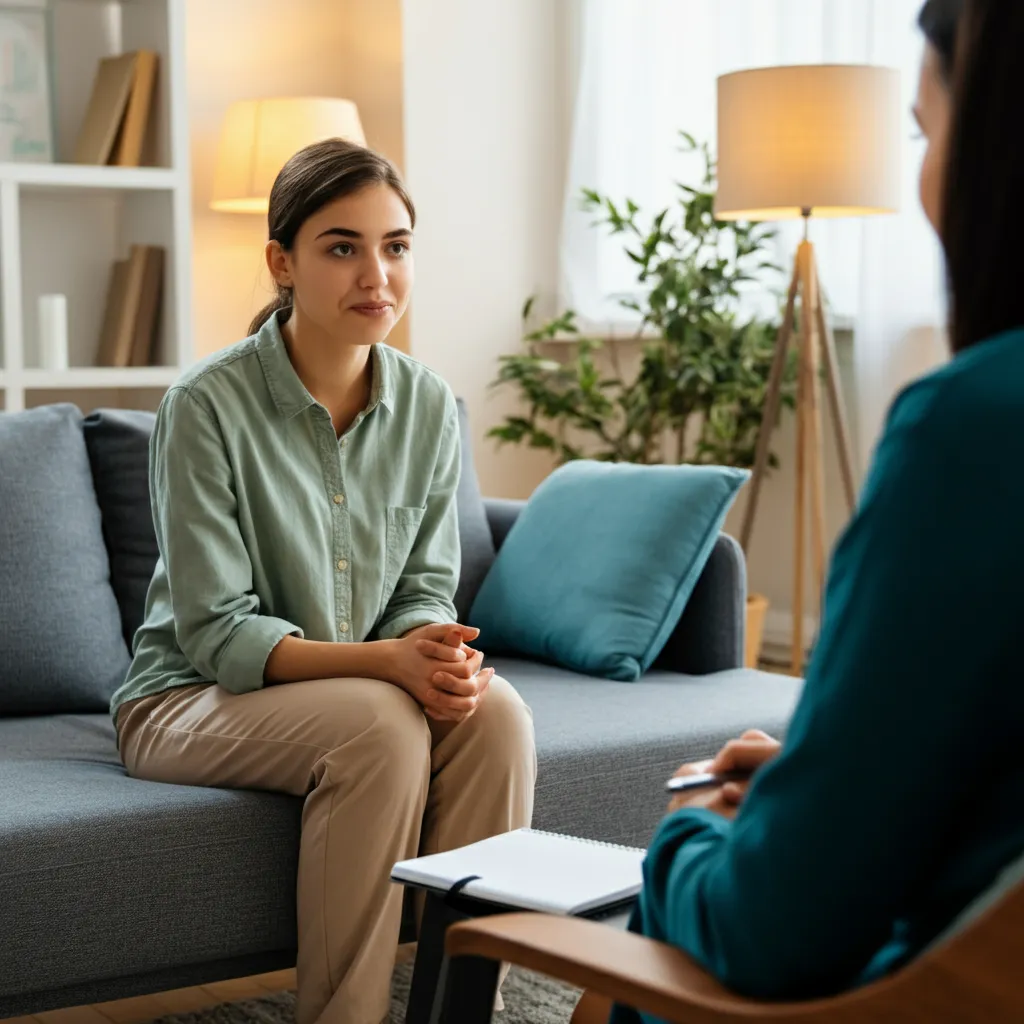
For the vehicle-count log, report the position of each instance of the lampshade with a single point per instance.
(259, 136)
(824, 137)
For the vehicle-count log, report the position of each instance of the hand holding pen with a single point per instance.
(721, 783)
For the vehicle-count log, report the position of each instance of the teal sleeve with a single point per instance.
(892, 735)
(425, 589)
(217, 620)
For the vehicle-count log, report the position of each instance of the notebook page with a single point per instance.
(534, 870)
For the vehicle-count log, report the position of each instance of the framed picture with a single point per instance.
(26, 87)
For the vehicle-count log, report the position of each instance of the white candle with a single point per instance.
(53, 332)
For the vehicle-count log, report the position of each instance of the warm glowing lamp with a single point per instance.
(803, 141)
(259, 136)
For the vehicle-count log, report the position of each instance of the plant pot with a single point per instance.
(757, 609)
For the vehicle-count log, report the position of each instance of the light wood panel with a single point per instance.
(141, 1009)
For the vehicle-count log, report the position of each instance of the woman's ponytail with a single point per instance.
(282, 300)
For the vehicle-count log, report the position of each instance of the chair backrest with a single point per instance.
(1009, 879)
(975, 966)
(972, 972)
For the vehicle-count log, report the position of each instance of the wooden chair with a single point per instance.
(974, 974)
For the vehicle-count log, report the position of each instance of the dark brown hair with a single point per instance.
(982, 218)
(939, 20)
(312, 178)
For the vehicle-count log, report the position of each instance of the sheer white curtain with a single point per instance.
(644, 69)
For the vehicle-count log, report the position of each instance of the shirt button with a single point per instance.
(344, 442)
(343, 627)
(339, 498)
(342, 564)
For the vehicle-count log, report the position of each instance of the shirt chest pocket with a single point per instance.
(403, 525)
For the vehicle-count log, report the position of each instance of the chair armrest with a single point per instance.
(501, 516)
(711, 632)
(650, 976)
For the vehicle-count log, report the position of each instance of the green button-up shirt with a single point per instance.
(268, 524)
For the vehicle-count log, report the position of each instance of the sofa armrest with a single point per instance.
(501, 515)
(711, 633)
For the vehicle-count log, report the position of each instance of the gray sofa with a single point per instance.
(112, 887)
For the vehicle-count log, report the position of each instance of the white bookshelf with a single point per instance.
(62, 225)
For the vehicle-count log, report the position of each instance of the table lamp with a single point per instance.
(803, 141)
(258, 137)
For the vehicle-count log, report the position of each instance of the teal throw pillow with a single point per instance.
(598, 568)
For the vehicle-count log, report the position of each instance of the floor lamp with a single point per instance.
(803, 141)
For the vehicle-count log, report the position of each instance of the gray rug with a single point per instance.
(529, 999)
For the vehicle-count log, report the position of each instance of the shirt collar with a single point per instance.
(286, 388)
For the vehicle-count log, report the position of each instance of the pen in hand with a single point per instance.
(682, 783)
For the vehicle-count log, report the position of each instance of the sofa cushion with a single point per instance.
(597, 569)
(61, 647)
(118, 445)
(474, 531)
(102, 875)
(605, 749)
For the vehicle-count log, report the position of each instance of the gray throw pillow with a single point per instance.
(61, 648)
(475, 538)
(118, 444)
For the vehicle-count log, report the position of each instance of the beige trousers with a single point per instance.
(381, 781)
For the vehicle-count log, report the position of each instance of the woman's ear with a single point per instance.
(278, 263)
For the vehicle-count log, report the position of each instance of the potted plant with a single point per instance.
(698, 394)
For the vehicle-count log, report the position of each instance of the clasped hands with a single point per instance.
(437, 668)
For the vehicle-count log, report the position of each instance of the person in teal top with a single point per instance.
(300, 632)
(898, 794)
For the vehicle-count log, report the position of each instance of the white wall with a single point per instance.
(485, 139)
(241, 49)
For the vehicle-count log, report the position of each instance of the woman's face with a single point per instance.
(933, 111)
(351, 266)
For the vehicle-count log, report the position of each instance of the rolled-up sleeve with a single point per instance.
(425, 591)
(217, 620)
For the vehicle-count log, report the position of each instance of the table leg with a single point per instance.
(430, 967)
(429, 960)
(472, 986)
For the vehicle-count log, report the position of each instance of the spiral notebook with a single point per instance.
(533, 870)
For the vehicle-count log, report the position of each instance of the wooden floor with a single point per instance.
(182, 1000)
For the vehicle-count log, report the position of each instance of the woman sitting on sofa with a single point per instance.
(300, 634)
(896, 798)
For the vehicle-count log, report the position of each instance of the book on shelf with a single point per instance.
(117, 118)
(132, 138)
(147, 317)
(131, 320)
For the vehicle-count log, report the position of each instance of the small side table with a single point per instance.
(430, 972)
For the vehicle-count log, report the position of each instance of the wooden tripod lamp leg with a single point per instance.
(815, 448)
(797, 651)
(773, 399)
(835, 395)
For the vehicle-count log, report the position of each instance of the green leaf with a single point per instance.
(706, 372)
